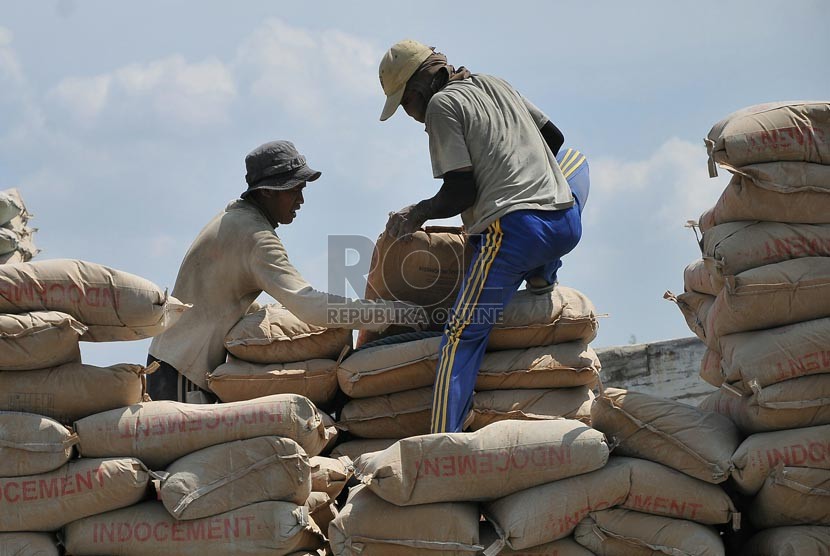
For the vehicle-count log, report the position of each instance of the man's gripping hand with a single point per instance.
(405, 222)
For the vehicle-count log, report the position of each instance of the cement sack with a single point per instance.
(426, 269)
(625, 533)
(562, 547)
(38, 340)
(698, 279)
(796, 403)
(773, 295)
(790, 541)
(32, 444)
(274, 335)
(113, 304)
(696, 308)
(710, 367)
(792, 496)
(698, 443)
(161, 432)
(228, 476)
(531, 405)
(353, 449)
(321, 509)
(795, 192)
(11, 205)
(369, 526)
(530, 320)
(393, 368)
(771, 356)
(552, 511)
(396, 415)
(81, 488)
(28, 544)
(14, 257)
(239, 380)
(148, 530)
(493, 462)
(660, 490)
(71, 391)
(330, 475)
(331, 431)
(772, 132)
(759, 454)
(9, 241)
(734, 247)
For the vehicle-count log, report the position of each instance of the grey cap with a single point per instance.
(276, 165)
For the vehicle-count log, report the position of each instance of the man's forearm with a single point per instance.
(457, 194)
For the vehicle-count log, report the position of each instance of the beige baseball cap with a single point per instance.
(396, 67)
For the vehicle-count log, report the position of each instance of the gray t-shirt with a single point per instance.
(484, 123)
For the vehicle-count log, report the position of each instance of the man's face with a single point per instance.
(283, 205)
(414, 104)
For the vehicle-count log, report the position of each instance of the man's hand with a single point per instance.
(405, 222)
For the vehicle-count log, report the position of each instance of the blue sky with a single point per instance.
(125, 125)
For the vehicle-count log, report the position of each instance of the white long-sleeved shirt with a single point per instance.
(237, 256)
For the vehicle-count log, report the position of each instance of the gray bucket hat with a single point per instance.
(276, 165)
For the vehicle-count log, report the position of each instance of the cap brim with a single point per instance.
(392, 103)
(281, 183)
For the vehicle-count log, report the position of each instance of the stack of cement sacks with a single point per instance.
(45, 308)
(274, 352)
(760, 300)
(231, 478)
(544, 487)
(16, 243)
(538, 364)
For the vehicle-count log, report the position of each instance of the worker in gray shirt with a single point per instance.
(236, 257)
(495, 153)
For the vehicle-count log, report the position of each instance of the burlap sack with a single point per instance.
(321, 509)
(32, 444)
(775, 355)
(148, 530)
(660, 490)
(80, 488)
(71, 391)
(623, 532)
(228, 476)
(796, 403)
(38, 340)
(759, 454)
(696, 442)
(28, 544)
(710, 366)
(491, 463)
(792, 496)
(239, 380)
(353, 449)
(530, 320)
(14, 257)
(695, 308)
(772, 295)
(114, 305)
(274, 335)
(396, 415)
(562, 547)
(805, 540)
(161, 432)
(531, 405)
(732, 248)
(330, 475)
(331, 431)
(9, 240)
(393, 368)
(779, 131)
(552, 511)
(11, 205)
(795, 192)
(698, 279)
(427, 269)
(369, 526)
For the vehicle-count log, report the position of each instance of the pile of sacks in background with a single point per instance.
(760, 300)
(16, 241)
(538, 363)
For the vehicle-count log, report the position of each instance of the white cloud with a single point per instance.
(170, 89)
(307, 71)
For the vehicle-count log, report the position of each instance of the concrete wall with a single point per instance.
(669, 369)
